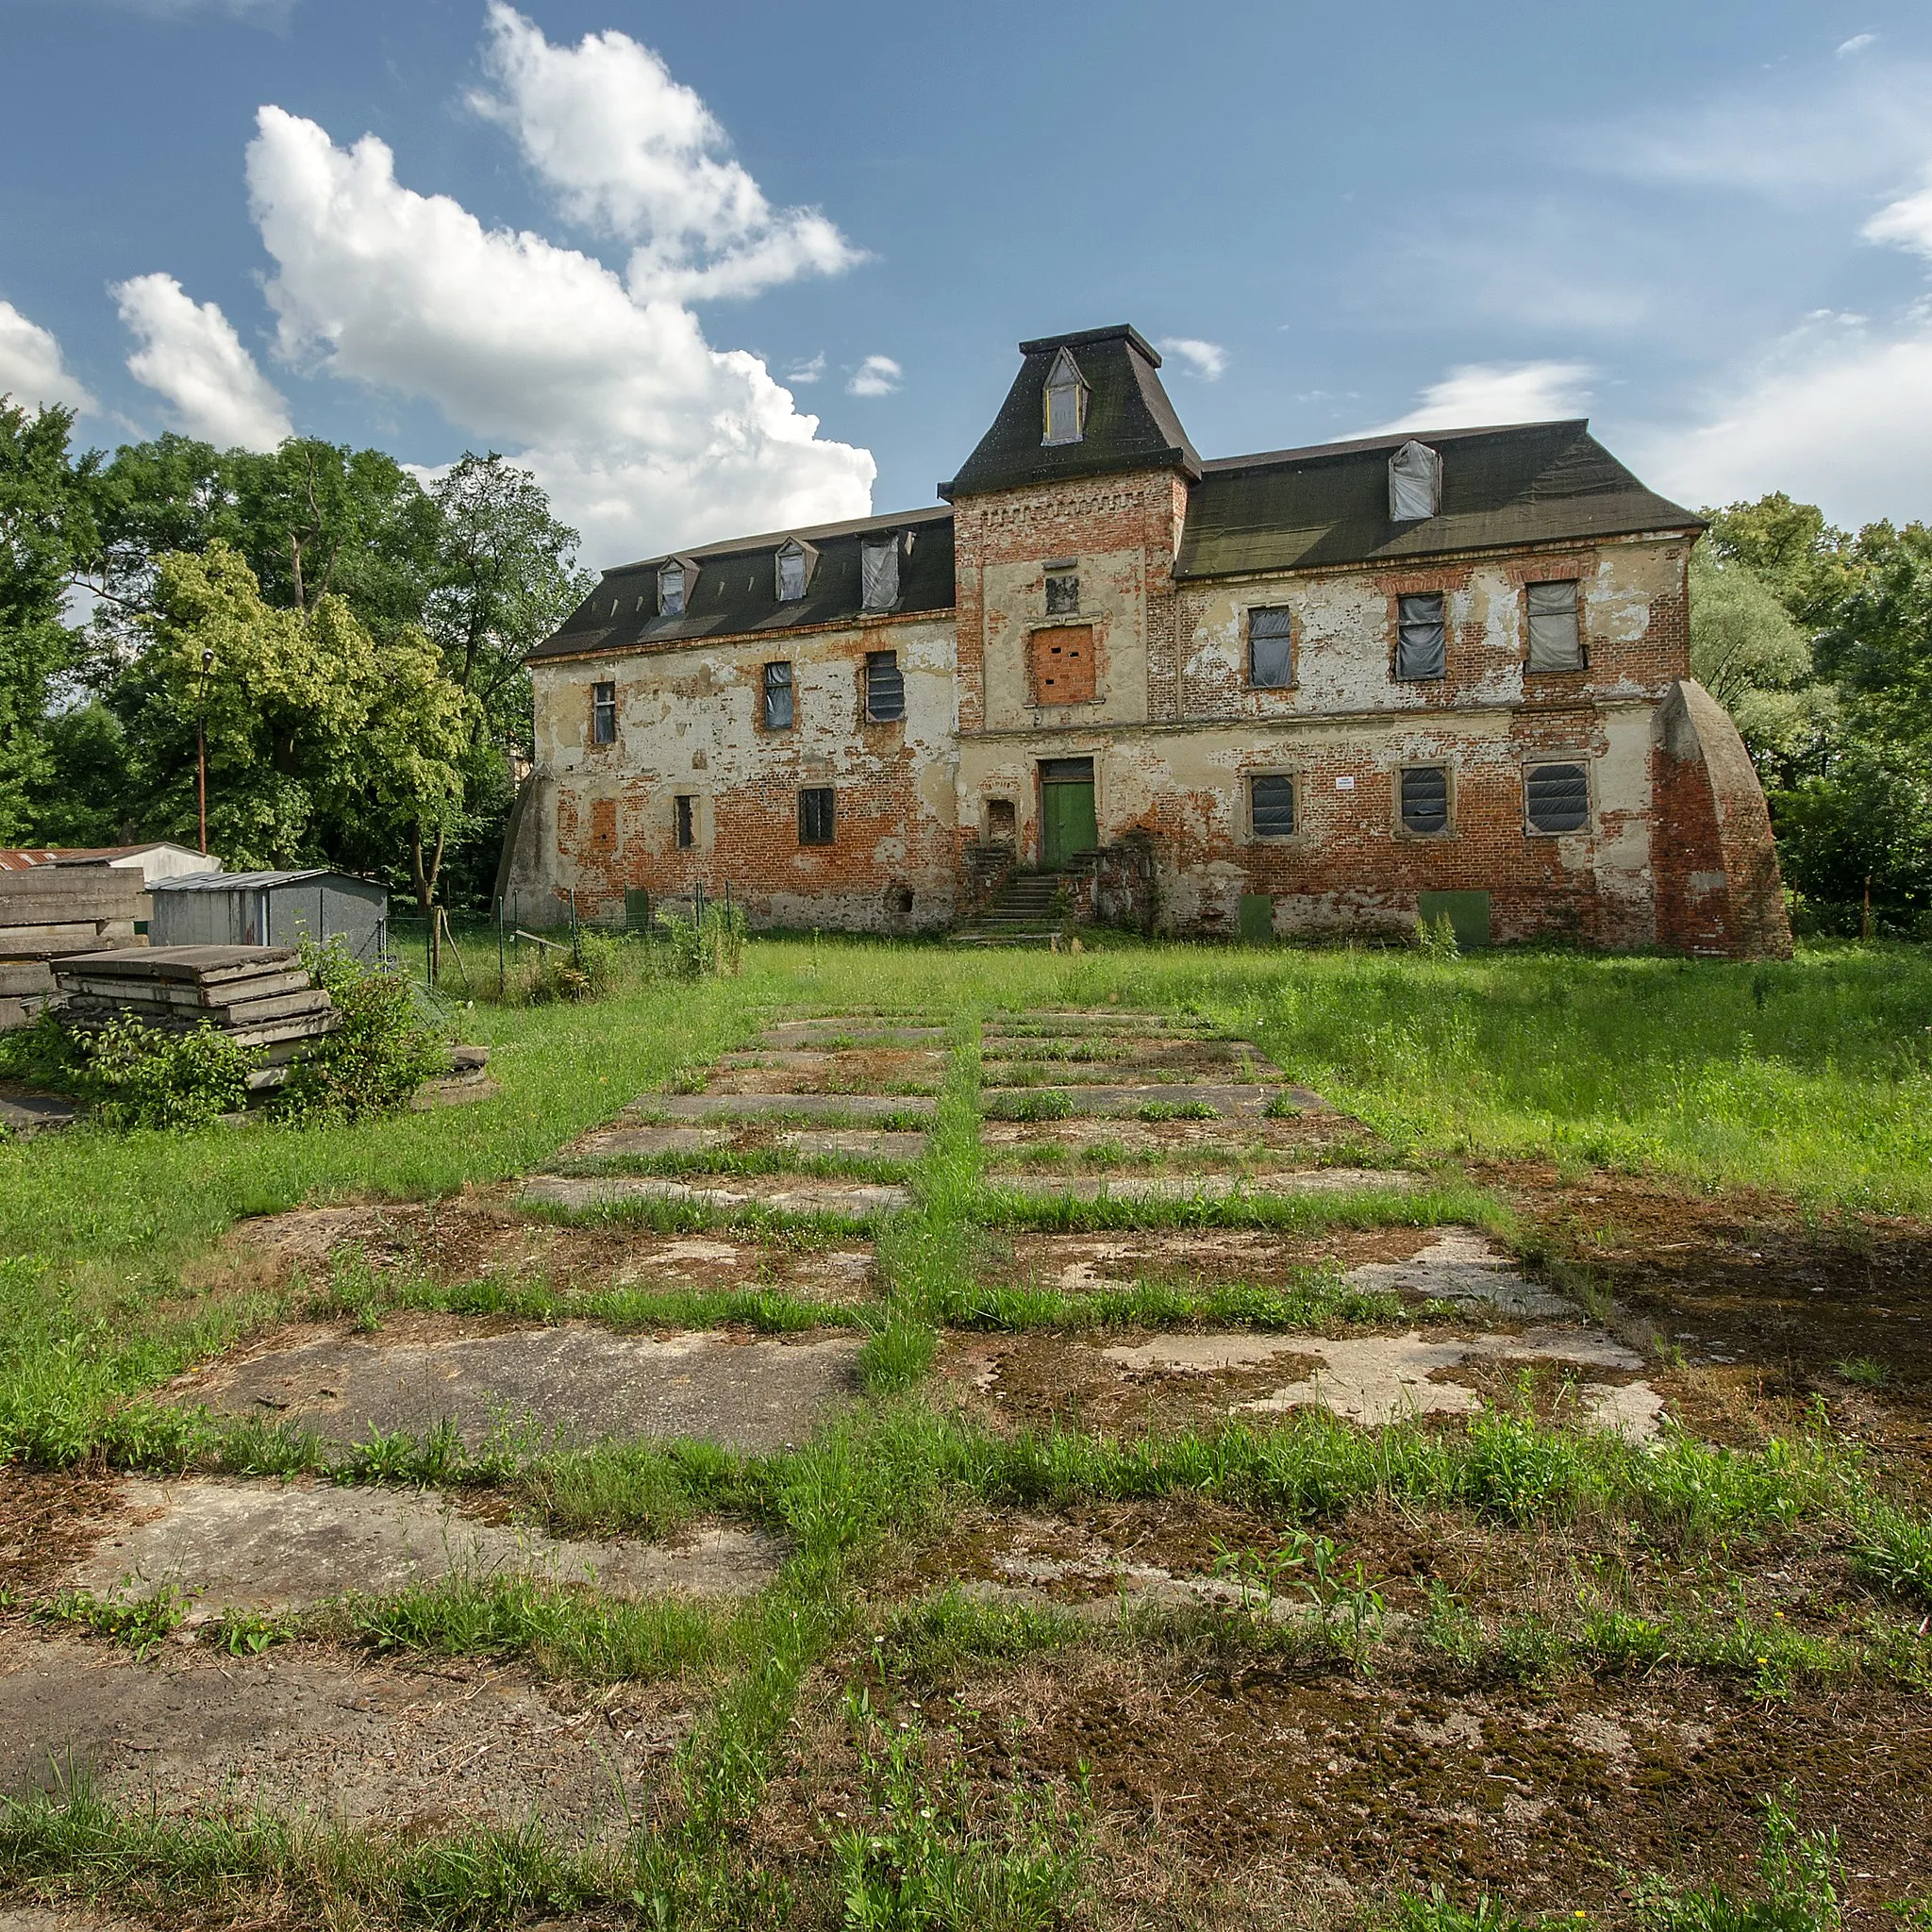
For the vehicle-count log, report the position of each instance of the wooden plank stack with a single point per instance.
(49, 912)
(259, 996)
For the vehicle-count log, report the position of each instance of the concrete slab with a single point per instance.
(573, 1382)
(276, 1546)
(734, 1194)
(1378, 1379)
(365, 1741)
(817, 1107)
(649, 1143)
(839, 1144)
(1033, 1021)
(857, 1033)
(1204, 1187)
(1461, 1266)
(25, 1111)
(1099, 1099)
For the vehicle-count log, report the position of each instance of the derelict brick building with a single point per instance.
(1317, 691)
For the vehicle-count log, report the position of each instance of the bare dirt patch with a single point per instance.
(1096, 1142)
(49, 1519)
(1077, 1263)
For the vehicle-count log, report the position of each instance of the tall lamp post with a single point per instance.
(207, 658)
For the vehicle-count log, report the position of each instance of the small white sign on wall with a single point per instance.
(1345, 782)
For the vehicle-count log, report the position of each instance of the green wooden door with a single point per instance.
(1067, 821)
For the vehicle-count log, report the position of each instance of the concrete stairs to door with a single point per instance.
(1027, 910)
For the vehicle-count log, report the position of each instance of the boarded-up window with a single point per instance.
(878, 566)
(1419, 637)
(603, 823)
(1270, 649)
(1556, 640)
(1062, 593)
(685, 815)
(1063, 664)
(1426, 798)
(1271, 805)
(815, 816)
(671, 591)
(885, 688)
(604, 714)
(777, 711)
(1557, 798)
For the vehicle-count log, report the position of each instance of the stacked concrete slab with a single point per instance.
(259, 996)
(55, 911)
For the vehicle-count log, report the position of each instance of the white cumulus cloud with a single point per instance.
(809, 371)
(645, 436)
(1477, 393)
(190, 356)
(31, 371)
(1906, 221)
(635, 155)
(877, 376)
(1208, 361)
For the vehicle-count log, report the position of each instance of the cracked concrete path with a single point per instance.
(828, 1106)
(1461, 1266)
(571, 1383)
(778, 1194)
(285, 1546)
(1095, 1099)
(1204, 1187)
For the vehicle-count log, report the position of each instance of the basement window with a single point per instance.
(1556, 639)
(1271, 805)
(1270, 649)
(1426, 800)
(878, 565)
(685, 816)
(1066, 401)
(1557, 798)
(776, 711)
(1419, 637)
(671, 586)
(885, 688)
(815, 815)
(604, 714)
(1062, 593)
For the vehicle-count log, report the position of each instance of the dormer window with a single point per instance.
(1415, 484)
(794, 570)
(1066, 401)
(879, 563)
(672, 582)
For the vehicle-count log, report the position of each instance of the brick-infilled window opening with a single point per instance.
(604, 714)
(1421, 636)
(1062, 593)
(1557, 798)
(1271, 650)
(1556, 638)
(1063, 664)
(777, 711)
(815, 815)
(1271, 805)
(1426, 799)
(885, 688)
(685, 817)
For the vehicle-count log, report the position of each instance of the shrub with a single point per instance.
(137, 1076)
(376, 1057)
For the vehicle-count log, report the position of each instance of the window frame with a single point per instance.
(683, 821)
(1063, 377)
(876, 661)
(1397, 674)
(1287, 637)
(682, 573)
(882, 548)
(1447, 829)
(1578, 761)
(829, 793)
(1292, 780)
(768, 687)
(1575, 616)
(602, 710)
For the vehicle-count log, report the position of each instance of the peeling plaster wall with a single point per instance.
(688, 722)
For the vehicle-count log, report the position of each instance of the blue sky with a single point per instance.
(643, 245)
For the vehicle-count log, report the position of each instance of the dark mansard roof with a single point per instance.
(1287, 510)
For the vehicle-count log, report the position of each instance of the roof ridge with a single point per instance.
(852, 527)
(1394, 438)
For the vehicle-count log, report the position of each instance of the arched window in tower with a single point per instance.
(1066, 401)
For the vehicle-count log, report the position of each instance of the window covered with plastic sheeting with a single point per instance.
(1421, 636)
(1556, 639)
(1415, 483)
(878, 565)
(1066, 401)
(885, 688)
(777, 713)
(1557, 798)
(794, 570)
(1426, 799)
(1270, 649)
(670, 589)
(1271, 805)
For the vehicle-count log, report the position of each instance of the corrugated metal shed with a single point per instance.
(271, 908)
